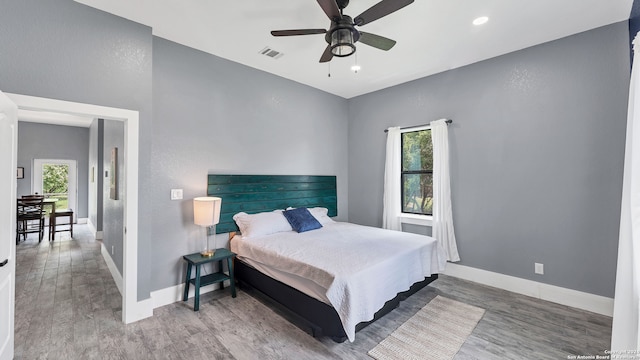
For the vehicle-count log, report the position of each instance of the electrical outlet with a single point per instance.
(539, 268)
(176, 194)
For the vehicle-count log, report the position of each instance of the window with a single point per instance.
(417, 172)
(56, 179)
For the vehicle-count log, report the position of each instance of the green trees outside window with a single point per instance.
(55, 183)
(417, 172)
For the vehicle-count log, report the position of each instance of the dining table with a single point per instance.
(50, 202)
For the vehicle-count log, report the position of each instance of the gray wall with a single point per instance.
(44, 141)
(96, 156)
(113, 209)
(64, 50)
(215, 116)
(537, 150)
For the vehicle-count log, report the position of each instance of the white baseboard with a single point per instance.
(82, 220)
(141, 309)
(577, 299)
(173, 294)
(113, 269)
(92, 228)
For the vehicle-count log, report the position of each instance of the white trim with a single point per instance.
(96, 234)
(8, 159)
(577, 299)
(82, 221)
(113, 269)
(415, 128)
(92, 228)
(132, 308)
(174, 294)
(415, 219)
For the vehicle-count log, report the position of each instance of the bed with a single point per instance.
(334, 279)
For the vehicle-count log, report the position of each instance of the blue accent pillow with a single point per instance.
(301, 219)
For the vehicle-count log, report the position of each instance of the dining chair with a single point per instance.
(56, 225)
(29, 217)
(33, 196)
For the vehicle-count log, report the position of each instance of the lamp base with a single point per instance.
(207, 253)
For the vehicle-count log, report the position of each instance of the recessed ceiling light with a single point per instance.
(481, 20)
(355, 68)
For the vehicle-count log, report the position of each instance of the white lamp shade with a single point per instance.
(206, 210)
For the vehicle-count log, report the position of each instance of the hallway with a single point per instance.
(65, 297)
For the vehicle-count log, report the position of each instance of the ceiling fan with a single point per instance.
(342, 34)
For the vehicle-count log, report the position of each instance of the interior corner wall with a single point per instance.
(64, 143)
(537, 153)
(113, 207)
(61, 49)
(96, 156)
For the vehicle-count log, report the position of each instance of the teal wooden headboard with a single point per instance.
(258, 193)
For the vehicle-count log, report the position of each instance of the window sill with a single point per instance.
(413, 219)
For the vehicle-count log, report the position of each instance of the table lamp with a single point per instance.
(206, 213)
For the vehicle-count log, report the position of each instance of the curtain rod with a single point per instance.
(448, 121)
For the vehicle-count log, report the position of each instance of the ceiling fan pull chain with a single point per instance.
(329, 65)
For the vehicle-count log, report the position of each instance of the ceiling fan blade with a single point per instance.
(383, 8)
(377, 41)
(298, 32)
(330, 8)
(327, 55)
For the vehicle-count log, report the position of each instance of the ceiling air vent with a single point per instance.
(267, 51)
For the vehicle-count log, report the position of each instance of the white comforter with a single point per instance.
(360, 267)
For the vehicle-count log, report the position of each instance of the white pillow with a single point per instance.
(259, 224)
(320, 213)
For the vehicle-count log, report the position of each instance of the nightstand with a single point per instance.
(198, 260)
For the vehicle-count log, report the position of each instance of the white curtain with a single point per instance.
(626, 312)
(392, 187)
(442, 228)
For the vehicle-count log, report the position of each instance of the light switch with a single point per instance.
(176, 194)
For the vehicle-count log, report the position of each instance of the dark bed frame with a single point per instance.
(318, 318)
(257, 193)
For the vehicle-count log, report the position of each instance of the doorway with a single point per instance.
(57, 179)
(132, 309)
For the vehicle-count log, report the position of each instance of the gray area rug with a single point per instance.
(437, 331)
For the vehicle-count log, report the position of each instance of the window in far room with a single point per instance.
(417, 172)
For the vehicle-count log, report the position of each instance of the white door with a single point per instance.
(8, 169)
(72, 180)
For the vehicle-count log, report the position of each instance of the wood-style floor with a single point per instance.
(68, 307)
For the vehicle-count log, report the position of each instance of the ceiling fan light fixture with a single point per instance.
(342, 42)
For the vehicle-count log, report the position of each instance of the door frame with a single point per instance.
(36, 180)
(132, 309)
(9, 129)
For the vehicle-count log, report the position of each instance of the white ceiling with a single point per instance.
(432, 35)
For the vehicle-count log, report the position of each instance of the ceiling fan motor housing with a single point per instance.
(341, 37)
